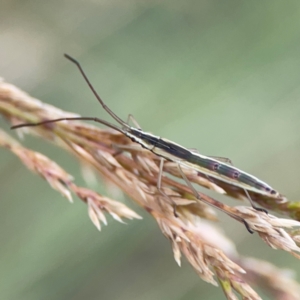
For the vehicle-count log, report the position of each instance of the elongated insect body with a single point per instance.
(201, 163)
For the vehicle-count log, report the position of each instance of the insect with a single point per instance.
(206, 166)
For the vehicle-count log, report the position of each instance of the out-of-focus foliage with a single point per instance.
(219, 76)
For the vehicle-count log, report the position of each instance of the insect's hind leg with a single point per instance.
(195, 193)
(229, 161)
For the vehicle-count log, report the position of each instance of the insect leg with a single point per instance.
(194, 191)
(219, 158)
(222, 159)
(161, 166)
(252, 203)
(128, 147)
(121, 148)
(228, 161)
(194, 150)
(134, 121)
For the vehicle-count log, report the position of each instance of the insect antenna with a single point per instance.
(69, 119)
(105, 107)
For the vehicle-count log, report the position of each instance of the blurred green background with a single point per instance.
(220, 76)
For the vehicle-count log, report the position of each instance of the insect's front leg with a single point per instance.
(134, 121)
(159, 179)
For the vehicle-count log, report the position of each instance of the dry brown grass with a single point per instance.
(135, 172)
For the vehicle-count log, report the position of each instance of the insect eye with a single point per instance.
(273, 192)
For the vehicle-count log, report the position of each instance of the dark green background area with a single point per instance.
(219, 76)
